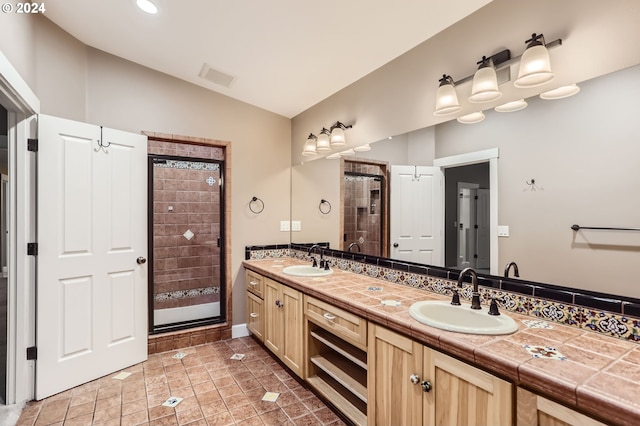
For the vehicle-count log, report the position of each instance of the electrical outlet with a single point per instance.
(296, 225)
(503, 230)
(285, 225)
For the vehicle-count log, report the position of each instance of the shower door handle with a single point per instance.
(141, 260)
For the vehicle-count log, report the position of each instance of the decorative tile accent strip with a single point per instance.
(521, 300)
(194, 165)
(185, 294)
(545, 352)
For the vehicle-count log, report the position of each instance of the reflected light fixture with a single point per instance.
(309, 149)
(535, 66)
(147, 6)
(474, 117)
(347, 152)
(323, 144)
(512, 106)
(337, 134)
(362, 148)
(561, 92)
(485, 83)
(334, 156)
(446, 97)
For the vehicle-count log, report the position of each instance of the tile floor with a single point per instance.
(216, 390)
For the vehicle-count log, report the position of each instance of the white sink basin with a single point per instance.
(306, 271)
(463, 319)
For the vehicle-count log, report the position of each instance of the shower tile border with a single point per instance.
(601, 313)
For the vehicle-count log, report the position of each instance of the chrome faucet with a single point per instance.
(315, 262)
(475, 296)
(354, 244)
(515, 270)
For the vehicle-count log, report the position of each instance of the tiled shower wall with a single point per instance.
(363, 208)
(186, 221)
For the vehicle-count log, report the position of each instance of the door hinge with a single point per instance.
(32, 353)
(32, 249)
(32, 145)
(475, 256)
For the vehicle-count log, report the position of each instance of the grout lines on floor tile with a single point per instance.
(216, 390)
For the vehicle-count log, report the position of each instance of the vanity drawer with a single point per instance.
(255, 284)
(339, 322)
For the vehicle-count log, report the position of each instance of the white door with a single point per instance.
(92, 227)
(466, 225)
(483, 262)
(417, 212)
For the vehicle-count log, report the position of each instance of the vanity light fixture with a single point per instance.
(535, 66)
(323, 144)
(512, 106)
(309, 149)
(446, 97)
(362, 148)
(561, 92)
(347, 153)
(474, 117)
(485, 83)
(334, 156)
(337, 134)
(147, 6)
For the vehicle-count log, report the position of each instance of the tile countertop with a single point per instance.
(600, 375)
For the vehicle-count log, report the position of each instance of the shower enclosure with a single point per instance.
(364, 208)
(186, 283)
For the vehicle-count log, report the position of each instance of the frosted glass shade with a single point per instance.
(347, 152)
(485, 86)
(512, 106)
(535, 67)
(309, 149)
(323, 144)
(337, 137)
(333, 156)
(446, 100)
(560, 92)
(362, 148)
(474, 117)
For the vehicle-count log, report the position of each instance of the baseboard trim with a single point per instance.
(239, 330)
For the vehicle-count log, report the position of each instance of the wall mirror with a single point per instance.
(559, 163)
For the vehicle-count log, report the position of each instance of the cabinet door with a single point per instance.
(273, 332)
(392, 360)
(255, 321)
(292, 326)
(534, 410)
(464, 395)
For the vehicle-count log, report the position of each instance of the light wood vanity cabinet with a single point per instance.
(283, 324)
(535, 410)
(337, 357)
(255, 310)
(411, 384)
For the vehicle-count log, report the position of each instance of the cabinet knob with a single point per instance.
(253, 315)
(279, 304)
(329, 316)
(414, 379)
(426, 386)
(253, 283)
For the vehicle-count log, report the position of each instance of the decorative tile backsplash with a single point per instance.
(611, 315)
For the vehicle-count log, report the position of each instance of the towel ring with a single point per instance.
(326, 210)
(256, 200)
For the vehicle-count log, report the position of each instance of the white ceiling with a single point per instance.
(285, 55)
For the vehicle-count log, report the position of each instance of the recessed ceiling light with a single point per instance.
(147, 6)
(560, 92)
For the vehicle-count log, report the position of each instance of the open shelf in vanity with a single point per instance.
(337, 357)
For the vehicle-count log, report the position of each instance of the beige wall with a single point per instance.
(77, 82)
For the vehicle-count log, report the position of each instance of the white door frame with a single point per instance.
(491, 156)
(22, 105)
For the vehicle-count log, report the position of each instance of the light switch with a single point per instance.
(285, 225)
(296, 225)
(503, 230)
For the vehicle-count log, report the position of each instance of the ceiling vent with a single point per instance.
(215, 76)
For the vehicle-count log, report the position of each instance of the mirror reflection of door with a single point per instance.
(467, 217)
(364, 193)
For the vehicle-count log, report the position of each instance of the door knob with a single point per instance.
(141, 260)
(395, 245)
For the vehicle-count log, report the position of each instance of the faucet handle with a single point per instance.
(455, 298)
(315, 262)
(493, 307)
